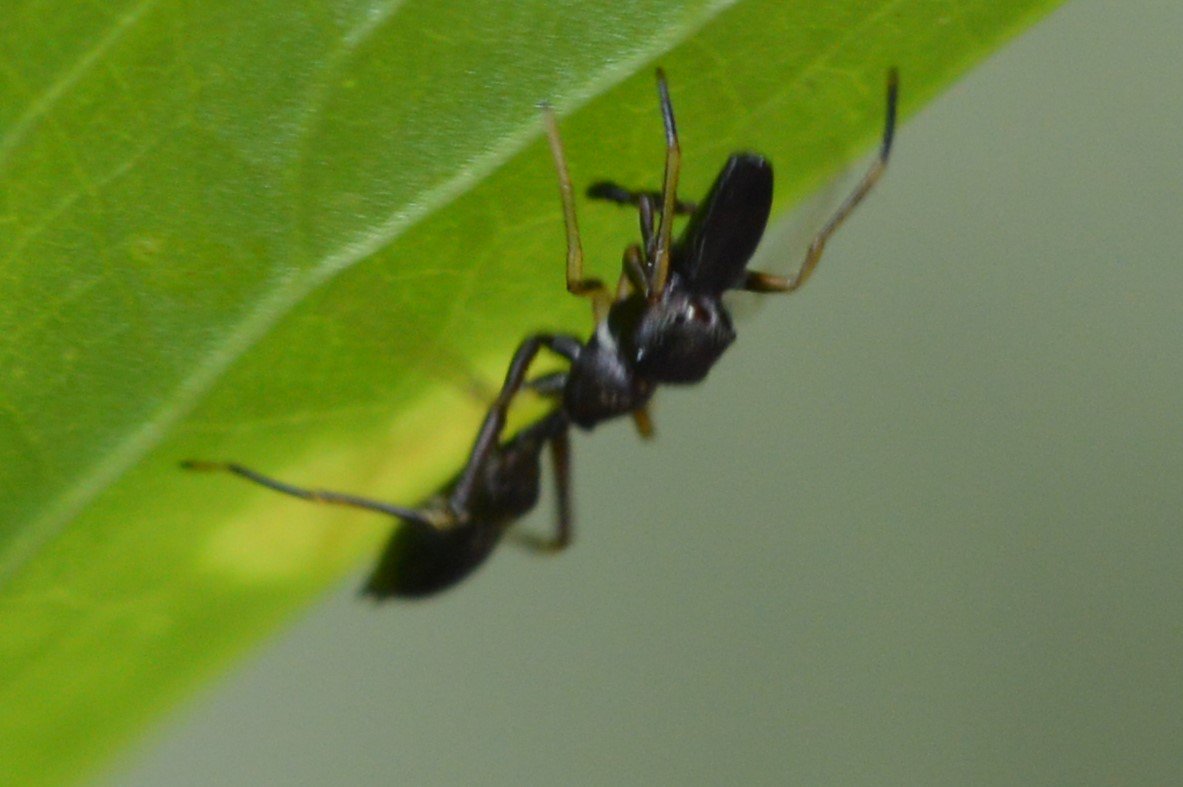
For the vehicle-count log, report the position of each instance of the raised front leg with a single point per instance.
(577, 284)
(669, 192)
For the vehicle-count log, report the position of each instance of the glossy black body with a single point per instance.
(422, 558)
(676, 336)
(643, 343)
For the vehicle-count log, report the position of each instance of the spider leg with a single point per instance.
(755, 281)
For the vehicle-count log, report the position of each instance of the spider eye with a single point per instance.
(698, 313)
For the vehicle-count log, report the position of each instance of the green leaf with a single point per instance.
(294, 234)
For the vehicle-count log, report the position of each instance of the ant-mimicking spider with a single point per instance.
(665, 323)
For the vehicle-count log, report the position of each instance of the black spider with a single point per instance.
(665, 323)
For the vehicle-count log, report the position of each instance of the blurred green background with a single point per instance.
(922, 526)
